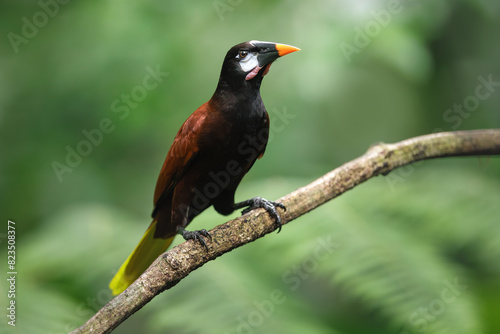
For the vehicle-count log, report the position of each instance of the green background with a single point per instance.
(413, 252)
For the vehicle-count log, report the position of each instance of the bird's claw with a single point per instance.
(197, 235)
(269, 206)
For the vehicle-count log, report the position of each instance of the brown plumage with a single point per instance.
(212, 151)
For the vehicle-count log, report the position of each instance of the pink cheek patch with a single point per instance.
(266, 70)
(253, 73)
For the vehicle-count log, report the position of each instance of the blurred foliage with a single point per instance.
(398, 241)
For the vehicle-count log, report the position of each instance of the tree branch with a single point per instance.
(171, 267)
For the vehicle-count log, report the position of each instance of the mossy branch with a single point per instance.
(171, 267)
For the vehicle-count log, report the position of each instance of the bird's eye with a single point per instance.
(243, 54)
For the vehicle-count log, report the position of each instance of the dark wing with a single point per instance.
(181, 155)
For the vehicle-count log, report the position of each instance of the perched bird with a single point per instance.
(212, 151)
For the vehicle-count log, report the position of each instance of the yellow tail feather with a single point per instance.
(139, 260)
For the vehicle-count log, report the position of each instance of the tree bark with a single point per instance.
(171, 267)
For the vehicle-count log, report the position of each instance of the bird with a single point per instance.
(212, 151)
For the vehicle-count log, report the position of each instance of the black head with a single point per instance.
(246, 63)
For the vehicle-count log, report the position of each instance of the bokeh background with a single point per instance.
(412, 252)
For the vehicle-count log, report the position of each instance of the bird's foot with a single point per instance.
(269, 206)
(195, 235)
